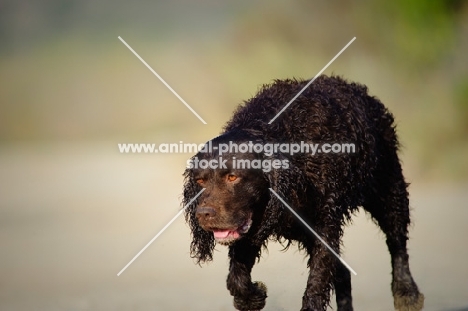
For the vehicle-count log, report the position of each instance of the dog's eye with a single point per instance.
(231, 177)
(199, 181)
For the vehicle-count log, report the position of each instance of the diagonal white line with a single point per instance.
(160, 232)
(311, 81)
(162, 80)
(315, 233)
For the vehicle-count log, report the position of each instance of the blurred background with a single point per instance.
(74, 211)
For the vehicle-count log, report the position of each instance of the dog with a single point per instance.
(241, 204)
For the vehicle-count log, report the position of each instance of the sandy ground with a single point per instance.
(72, 216)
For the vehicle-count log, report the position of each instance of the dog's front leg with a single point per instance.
(247, 295)
(322, 264)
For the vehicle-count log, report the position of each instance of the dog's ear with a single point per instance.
(280, 181)
(282, 178)
(203, 243)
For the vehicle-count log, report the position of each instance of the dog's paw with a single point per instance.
(255, 301)
(409, 303)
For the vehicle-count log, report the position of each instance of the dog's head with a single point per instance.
(236, 200)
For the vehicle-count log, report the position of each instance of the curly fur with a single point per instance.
(324, 189)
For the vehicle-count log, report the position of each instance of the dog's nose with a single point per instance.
(206, 211)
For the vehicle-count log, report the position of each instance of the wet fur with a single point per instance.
(324, 189)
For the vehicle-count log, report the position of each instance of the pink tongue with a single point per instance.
(222, 234)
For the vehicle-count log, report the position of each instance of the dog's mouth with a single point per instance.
(227, 236)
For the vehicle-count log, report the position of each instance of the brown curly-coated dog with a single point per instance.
(237, 208)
